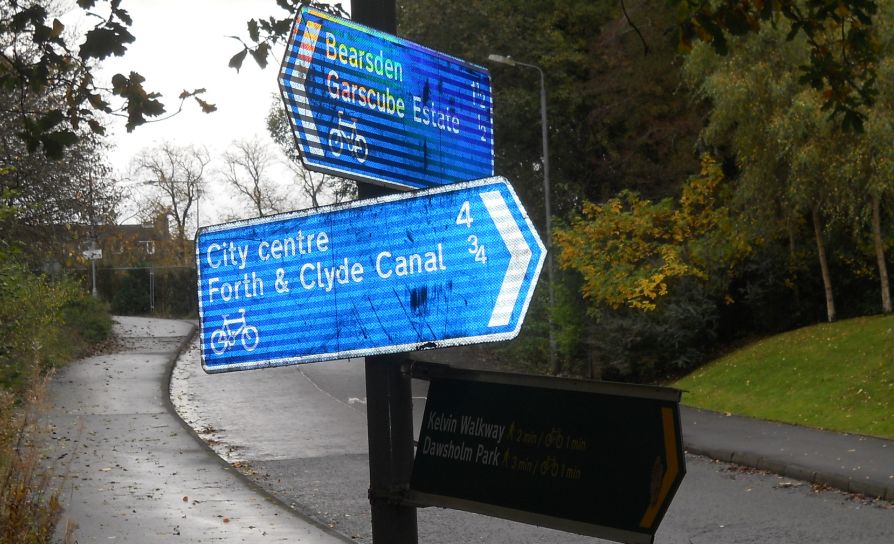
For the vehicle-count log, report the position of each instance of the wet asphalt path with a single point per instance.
(136, 473)
(300, 432)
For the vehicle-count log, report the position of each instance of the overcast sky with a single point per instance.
(185, 44)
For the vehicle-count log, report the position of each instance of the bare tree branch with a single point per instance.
(245, 168)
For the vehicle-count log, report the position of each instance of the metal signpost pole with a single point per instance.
(94, 292)
(389, 400)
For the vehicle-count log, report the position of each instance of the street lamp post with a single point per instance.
(553, 364)
(93, 247)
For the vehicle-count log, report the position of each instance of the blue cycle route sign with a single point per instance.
(447, 266)
(373, 107)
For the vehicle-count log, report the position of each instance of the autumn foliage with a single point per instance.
(629, 250)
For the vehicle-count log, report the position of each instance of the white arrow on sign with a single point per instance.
(299, 76)
(519, 257)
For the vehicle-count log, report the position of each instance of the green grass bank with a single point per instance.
(836, 376)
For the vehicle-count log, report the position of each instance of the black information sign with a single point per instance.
(594, 458)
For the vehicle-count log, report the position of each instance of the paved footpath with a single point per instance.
(849, 462)
(137, 473)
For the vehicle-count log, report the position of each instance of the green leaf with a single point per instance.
(153, 108)
(33, 16)
(50, 120)
(184, 94)
(282, 27)
(54, 143)
(852, 120)
(237, 59)
(253, 31)
(41, 34)
(736, 21)
(102, 42)
(123, 15)
(260, 54)
(119, 82)
(58, 27)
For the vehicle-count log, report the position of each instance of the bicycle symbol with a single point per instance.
(339, 139)
(224, 338)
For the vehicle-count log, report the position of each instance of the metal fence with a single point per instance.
(162, 291)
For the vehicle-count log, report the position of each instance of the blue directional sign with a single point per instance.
(443, 267)
(377, 108)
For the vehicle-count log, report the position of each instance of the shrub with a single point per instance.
(30, 318)
(30, 506)
(87, 322)
(132, 295)
(45, 321)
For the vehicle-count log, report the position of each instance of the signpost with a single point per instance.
(92, 254)
(443, 267)
(453, 264)
(376, 108)
(600, 459)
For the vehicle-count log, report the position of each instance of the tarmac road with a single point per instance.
(137, 473)
(300, 432)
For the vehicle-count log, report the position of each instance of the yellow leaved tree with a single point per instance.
(629, 250)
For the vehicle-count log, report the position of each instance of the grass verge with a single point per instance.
(837, 376)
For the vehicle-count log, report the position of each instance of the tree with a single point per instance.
(654, 274)
(38, 59)
(645, 127)
(879, 153)
(842, 53)
(48, 198)
(615, 117)
(176, 174)
(318, 188)
(791, 157)
(245, 169)
(869, 168)
(629, 250)
(784, 146)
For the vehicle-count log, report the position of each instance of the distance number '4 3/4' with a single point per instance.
(464, 217)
